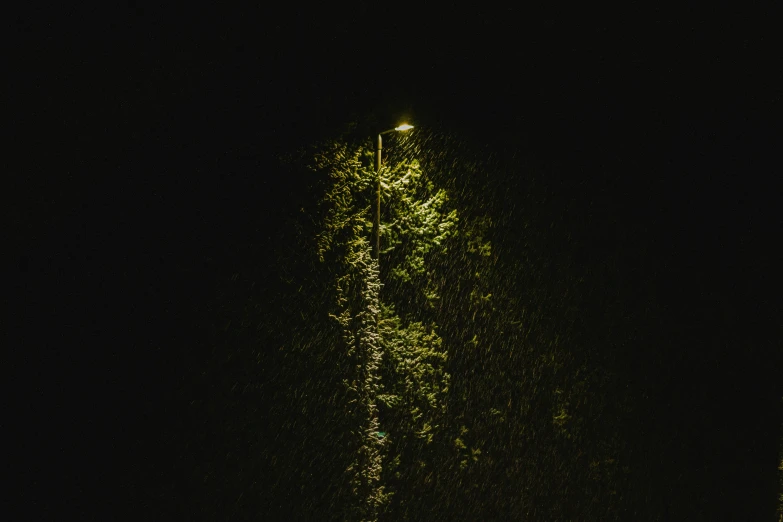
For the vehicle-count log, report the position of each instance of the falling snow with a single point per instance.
(467, 374)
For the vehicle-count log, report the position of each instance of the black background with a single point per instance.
(143, 146)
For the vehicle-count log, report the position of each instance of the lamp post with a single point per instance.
(376, 224)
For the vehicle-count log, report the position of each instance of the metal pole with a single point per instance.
(376, 225)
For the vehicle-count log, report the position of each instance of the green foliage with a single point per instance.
(416, 220)
(347, 202)
(395, 366)
(415, 382)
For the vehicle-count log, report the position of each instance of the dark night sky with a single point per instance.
(124, 124)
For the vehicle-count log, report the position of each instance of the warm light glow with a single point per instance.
(403, 127)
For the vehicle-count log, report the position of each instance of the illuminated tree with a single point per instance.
(397, 384)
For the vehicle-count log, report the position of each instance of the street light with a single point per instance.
(376, 225)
